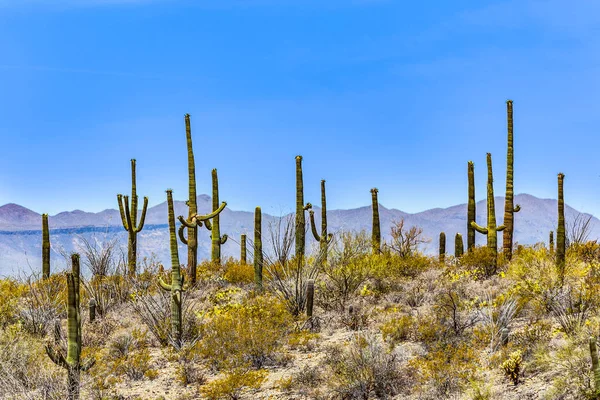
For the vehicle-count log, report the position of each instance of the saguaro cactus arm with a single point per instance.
(182, 235)
(56, 357)
(224, 238)
(143, 217)
(517, 208)
(313, 226)
(208, 225)
(196, 219)
(124, 219)
(479, 228)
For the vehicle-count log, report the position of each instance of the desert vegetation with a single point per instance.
(355, 317)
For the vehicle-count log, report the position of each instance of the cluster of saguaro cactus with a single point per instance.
(509, 209)
(258, 254)
(595, 367)
(458, 245)
(471, 207)
(243, 248)
(324, 238)
(45, 247)
(129, 220)
(72, 362)
(376, 230)
(442, 247)
(560, 230)
(216, 239)
(492, 229)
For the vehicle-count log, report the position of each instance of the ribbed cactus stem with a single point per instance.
(192, 232)
(458, 245)
(551, 242)
(595, 366)
(492, 229)
(92, 310)
(216, 239)
(243, 249)
(324, 238)
(376, 229)
(258, 254)
(509, 208)
(300, 220)
(442, 255)
(561, 231)
(471, 207)
(310, 296)
(45, 247)
(129, 220)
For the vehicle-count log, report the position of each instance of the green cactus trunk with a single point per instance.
(258, 254)
(492, 230)
(376, 230)
(243, 249)
(595, 367)
(324, 238)
(509, 209)
(471, 207)
(192, 233)
(442, 256)
(458, 245)
(129, 220)
(561, 231)
(300, 220)
(310, 295)
(216, 239)
(551, 242)
(45, 247)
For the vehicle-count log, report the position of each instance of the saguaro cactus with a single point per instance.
(376, 230)
(72, 363)
(129, 220)
(216, 239)
(458, 245)
(243, 249)
(492, 230)
(45, 247)
(509, 209)
(324, 239)
(258, 254)
(471, 207)
(595, 366)
(551, 242)
(310, 295)
(560, 231)
(442, 247)
(300, 208)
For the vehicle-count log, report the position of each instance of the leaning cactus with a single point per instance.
(458, 245)
(324, 239)
(258, 254)
(492, 230)
(129, 219)
(560, 231)
(45, 247)
(442, 247)
(595, 367)
(216, 239)
(376, 230)
(471, 207)
(243, 249)
(551, 242)
(509, 209)
(72, 363)
(300, 208)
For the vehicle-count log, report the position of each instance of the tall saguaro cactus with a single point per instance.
(492, 229)
(243, 249)
(216, 239)
(442, 247)
(458, 245)
(324, 238)
(192, 232)
(471, 207)
(509, 209)
(258, 254)
(129, 220)
(45, 247)
(300, 208)
(560, 231)
(376, 230)
(72, 362)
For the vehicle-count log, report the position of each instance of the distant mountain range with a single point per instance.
(20, 229)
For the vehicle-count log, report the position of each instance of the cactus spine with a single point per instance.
(72, 363)
(509, 209)
(258, 254)
(216, 239)
(129, 220)
(45, 247)
(595, 366)
(492, 230)
(243, 249)
(192, 232)
(471, 207)
(324, 239)
(458, 245)
(376, 230)
(442, 247)
(560, 231)
(300, 208)
(551, 242)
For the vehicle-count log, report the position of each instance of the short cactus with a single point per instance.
(216, 239)
(129, 220)
(258, 254)
(324, 238)
(442, 255)
(45, 247)
(471, 207)
(92, 310)
(595, 366)
(72, 362)
(310, 295)
(551, 242)
(458, 245)
(376, 230)
(243, 249)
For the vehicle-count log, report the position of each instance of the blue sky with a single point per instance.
(391, 94)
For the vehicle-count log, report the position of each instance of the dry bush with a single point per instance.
(455, 309)
(480, 262)
(497, 314)
(42, 303)
(230, 386)
(573, 305)
(406, 242)
(238, 273)
(11, 292)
